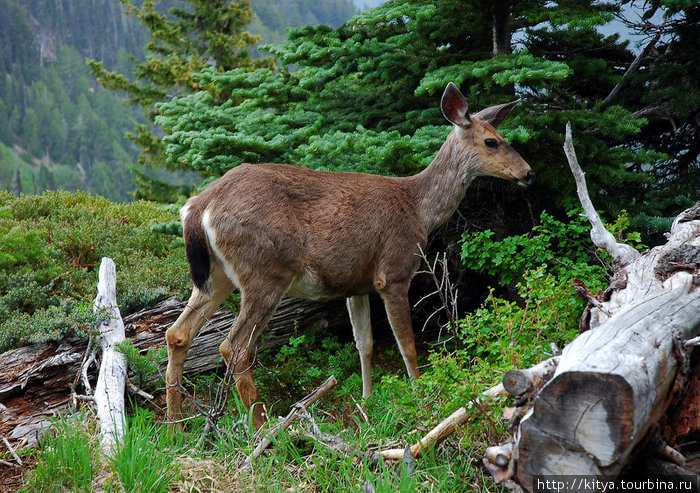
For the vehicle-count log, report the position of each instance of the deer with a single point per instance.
(276, 230)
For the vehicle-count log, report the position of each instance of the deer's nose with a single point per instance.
(530, 177)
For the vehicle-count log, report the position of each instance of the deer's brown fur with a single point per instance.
(274, 230)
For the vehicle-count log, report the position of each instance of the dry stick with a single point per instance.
(602, 238)
(8, 464)
(297, 410)
(443, 288)
(434, 436)
(12, 451)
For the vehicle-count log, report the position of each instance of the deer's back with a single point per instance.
(336, 231)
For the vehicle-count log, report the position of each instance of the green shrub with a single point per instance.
(565, 249)
(51, 246)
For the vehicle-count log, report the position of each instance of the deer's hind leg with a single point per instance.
(200, 307)
(258, 302)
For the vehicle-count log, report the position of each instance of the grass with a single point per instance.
(68, 459)
(150, 459)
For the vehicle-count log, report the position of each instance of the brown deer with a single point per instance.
(274, 230)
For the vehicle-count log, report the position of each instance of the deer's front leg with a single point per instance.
(399, 312)
(358, 308)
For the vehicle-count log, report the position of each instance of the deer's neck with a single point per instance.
(440, 187)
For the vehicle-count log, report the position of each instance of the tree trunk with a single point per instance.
(613, 384)
(501, 28)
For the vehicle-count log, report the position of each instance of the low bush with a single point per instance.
(51, 246)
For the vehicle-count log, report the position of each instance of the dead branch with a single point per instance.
(111, 381)
(12, 451)
(434, 436)
(298, 410)
(602, 238)
(634, 65)
(518, 382)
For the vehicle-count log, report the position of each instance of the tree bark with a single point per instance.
(501, 28)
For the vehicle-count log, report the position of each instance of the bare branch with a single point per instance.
(602, 238)
(297, 410)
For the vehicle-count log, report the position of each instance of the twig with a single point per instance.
(434, 436)
(602, 238)
(141, 393)
(12, 451)
(444, 288)
(362, 411)
(297, 411)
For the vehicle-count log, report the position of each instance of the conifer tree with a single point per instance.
(365, 96)
(204, 33)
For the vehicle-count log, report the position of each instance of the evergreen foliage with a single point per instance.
(201, 33)
(365, 96)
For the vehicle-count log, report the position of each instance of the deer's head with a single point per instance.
(477, 133)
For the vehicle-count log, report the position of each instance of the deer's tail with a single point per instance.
(196, 246)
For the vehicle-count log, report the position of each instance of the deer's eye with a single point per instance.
(491, 143)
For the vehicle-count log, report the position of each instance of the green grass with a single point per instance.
(142, 459)
(68, 459)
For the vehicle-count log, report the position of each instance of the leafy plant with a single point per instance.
(564, 249)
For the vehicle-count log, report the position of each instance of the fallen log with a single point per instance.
(615, 382)
(36, 380)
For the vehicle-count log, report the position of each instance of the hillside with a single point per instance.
(59, 128)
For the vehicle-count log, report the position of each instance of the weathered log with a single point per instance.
(614, 383)
(111, 380)
(293, 316)
(610, 388)
(36, 380)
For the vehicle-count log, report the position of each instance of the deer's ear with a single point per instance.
(454, 106)
(496, 114)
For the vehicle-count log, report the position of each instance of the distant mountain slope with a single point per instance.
(58, 128)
